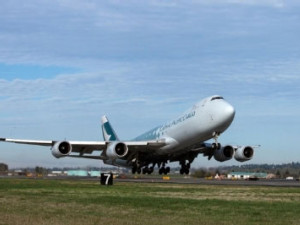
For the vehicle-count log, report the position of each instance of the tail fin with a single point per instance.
(108, 132)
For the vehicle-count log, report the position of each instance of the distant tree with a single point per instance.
(278, 173)
(3, 167)
(40, 170)
(200, 173)
(287, 173)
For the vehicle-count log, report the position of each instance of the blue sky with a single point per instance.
(63, 64)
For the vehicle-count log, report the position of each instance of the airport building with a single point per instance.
(77, 173)
(94, 173)
(83, 173)
(246, 175)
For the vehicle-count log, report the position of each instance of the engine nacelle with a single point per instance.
(61, 149)
(116, 150)
(224, 153)
(244, 153)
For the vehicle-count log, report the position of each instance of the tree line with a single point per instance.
(280, 170)
(3, 167)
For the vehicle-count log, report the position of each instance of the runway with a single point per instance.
(202, 181)
(180, 180)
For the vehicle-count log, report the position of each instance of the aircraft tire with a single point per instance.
(133, 170)
(144, 171)
(160, 171)
(168, 169)
(139, 170)
(150, 170)
(181, 171)
(186, 171)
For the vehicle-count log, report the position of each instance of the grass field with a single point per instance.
(37, 201)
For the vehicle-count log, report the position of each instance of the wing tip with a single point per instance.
(2, 139)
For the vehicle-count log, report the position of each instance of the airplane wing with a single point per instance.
(77, 146)
(87, 147)
(29, 142)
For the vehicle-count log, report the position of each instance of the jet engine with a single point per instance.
(116, 150)
(61, 149)
(224, 153)
(244, 153)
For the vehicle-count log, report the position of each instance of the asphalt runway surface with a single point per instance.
(202, 181)
(180, 180)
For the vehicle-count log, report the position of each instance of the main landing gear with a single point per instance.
(135, 169)
(145, 170)
(149, 170)
(164, 170)
(185, 168)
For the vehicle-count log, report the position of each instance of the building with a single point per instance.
(56, 173)
(246, 175)
(78, 173)
(83, 173)
(94, 173)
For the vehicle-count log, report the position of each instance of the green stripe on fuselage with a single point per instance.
(150, 135)
(157, 132)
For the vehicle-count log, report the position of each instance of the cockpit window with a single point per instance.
(217, 97)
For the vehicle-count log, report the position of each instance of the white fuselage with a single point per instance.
(208, 117)
(205, 120)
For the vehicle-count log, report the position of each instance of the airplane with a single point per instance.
(181, 139)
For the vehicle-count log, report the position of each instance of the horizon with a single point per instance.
(172, 167)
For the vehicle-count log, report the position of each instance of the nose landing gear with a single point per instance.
(216, 145)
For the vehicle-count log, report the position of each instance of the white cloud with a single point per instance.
(83, 34)
(273, 3)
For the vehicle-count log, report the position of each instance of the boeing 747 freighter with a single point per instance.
(179, 140)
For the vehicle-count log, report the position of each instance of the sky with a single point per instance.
(65, 63)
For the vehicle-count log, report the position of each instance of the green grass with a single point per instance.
(37, 201)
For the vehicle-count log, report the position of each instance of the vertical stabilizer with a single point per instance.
(108, 132)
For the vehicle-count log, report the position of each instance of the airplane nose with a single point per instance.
(229, 112)
(223, 117)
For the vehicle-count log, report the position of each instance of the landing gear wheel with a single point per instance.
(145, 170)
(133, 170)
(161, 170)
(168, 170)
(150, 170)
(186, 171)
(185, 168)
(216, 146)
(181, 171)
(165, 171)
